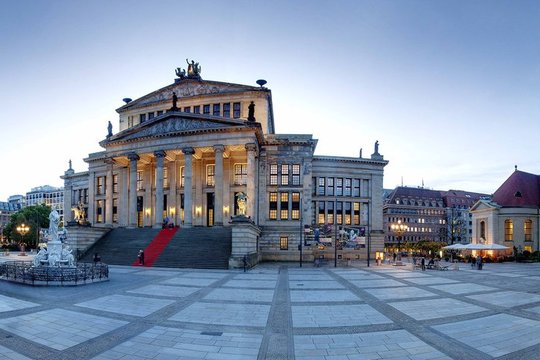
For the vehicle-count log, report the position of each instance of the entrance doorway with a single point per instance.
(210, 209)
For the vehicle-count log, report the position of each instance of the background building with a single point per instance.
(48, 195)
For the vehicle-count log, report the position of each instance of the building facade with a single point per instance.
(189, 151)
(48, 195)
(511, 218)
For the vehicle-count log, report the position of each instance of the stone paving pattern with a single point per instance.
(279, 311)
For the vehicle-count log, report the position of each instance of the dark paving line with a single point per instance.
(445, 344)
(278, 340)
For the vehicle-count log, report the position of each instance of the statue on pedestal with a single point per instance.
(241, 201)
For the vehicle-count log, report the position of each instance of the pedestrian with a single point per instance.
(479, 262)
(141, 257)
(394, 256)
(244, 260)
(423, 263)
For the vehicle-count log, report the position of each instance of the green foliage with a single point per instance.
(426, 246)
(35, 217)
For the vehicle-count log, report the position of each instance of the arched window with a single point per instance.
(527, 229)
(483, 230)
(508, 230)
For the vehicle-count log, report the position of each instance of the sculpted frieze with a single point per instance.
(187, 89)
(172, 126)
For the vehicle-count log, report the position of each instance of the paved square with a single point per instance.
(398, 344)
(224, 314)
(315, 284)
(399, 293)
(495, 335)
(165, 290)
(463, 288)
(435, 308)
(253, 284)
(322, 295)
(9, 304)
(377, 283)
(189, 281)
(334, 316)
(431, 280)
(241, 295)
(168, 343)
(128, 305)
(59, 329)
(507, 298)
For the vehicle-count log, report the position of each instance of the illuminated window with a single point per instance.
(339, 212)
(295, 206)
(272, 201)
(284, 206)
(273, 174)
(330, 212)
(236, 110)
(283, 243)
(99, 211)
(527, 229)
(483, 229)
(348, 216)
(210, 175)
(321, 217)
(115, 210)
(100, 185)
(139, 180)
(296, 174)
(508, 230)
(240, 174)
(166, 177)
(284, 174)
(356, 213)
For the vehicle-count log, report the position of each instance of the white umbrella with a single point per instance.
(475, 247)
(495, 247)
(454, 247)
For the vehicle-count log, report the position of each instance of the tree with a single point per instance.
(35, 217)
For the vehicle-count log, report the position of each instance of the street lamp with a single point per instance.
(399, 229)
(22, 230)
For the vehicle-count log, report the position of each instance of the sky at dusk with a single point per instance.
(450, 89)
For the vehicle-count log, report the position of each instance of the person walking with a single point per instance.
(423, 263)
(141, 257)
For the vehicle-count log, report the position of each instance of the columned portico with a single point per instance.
(250, 185)
(133, 158)
(218, 196)
(160, 155)
(188, 183)
(109, 193)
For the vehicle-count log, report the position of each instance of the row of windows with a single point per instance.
(224, 109)
(100, 211)
(285, 174)
(343, 212)
(439, 221)
(101, 184)
(509, 230)
(286, 204)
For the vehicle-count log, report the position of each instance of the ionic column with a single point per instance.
(251, 172)
(188, 191)
(109, 193)
(91, 213)
(218, 186)
(160, 155)
(133, 158)
(123, 210)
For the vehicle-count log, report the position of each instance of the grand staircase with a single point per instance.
(197, 247)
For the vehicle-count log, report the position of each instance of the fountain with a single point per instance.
(54, 264)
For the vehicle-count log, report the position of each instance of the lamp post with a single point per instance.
(399, 229)
(22, 230)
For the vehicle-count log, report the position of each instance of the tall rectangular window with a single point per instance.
(330, 212)
(273, 174)
(187, 109)
(348, 184)
(356, 213)
(348, 214)
(115, 183)
(295, 206)
(321, 217)
(142, 118)
(130, 121)
(227, 110)
(284, 206)
(240, 174)
(100, 185)
(356, 187)
(339, 212)
(339, 186)
(197, 109)
(321, 186)
(206, 109)
(283, 243)
(150, 115)
(165, 177)
(284, 174)
(330, 186)
(182, 176)
(216, 110)
(236, 110)
(295, 174)
(115, 210)
(99, 211)
(508, 230)
(272, 202)
(527, 230)
(85, 194)
(140, 180)
(210, 175)
(159, 112)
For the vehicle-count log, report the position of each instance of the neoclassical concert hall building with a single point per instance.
(189, 151)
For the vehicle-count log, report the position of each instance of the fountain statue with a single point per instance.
(56, 253)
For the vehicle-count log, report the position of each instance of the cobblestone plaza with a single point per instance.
(279, 311)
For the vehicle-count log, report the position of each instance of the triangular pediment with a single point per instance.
(484, 205)
(186, 88)
(175, 124)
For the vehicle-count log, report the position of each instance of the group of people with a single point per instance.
(476, 263)
(167, 223)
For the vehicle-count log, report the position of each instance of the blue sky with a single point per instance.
(450, 89)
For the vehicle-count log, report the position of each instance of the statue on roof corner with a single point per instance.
(109, 130)
(251, 111)
(181, 73)
(194, 69)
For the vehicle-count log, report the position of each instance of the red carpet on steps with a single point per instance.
(152, 251)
